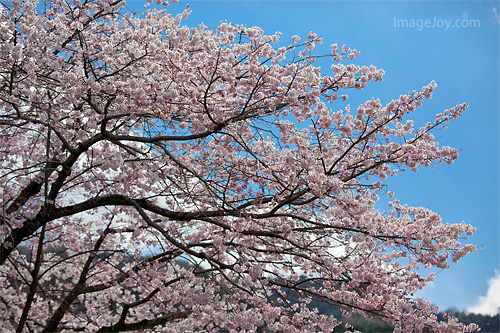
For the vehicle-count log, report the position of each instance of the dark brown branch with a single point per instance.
(145, 324)
(54, 321)
(34, 282)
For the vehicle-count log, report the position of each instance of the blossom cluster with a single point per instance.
(161, 177)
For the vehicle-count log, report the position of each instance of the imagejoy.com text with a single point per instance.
(438, 23)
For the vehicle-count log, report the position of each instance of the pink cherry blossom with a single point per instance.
(169, 178)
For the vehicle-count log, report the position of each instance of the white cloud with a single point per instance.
(489, 304)
(495, 12)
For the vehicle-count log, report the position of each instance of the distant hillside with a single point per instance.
(488, 324)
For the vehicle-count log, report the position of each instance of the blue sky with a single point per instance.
(464, 61)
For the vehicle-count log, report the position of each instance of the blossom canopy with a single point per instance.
(167, 178)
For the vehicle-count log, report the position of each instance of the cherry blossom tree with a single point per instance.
(159, 177)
